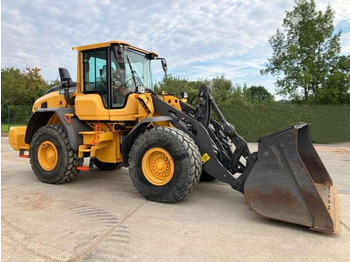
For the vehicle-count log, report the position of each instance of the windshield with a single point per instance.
(122, 72)
(128, 74)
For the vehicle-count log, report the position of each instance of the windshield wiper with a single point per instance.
(135, 76)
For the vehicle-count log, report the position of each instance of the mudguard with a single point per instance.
(129, 139)
(42, 116)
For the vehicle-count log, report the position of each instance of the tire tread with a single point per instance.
(71, 169)
(180, 190)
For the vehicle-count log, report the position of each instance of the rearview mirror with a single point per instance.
(164, 64)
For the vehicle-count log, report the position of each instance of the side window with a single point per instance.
(95, 72)
(120, 87)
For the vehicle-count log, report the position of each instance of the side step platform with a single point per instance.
(93, 141)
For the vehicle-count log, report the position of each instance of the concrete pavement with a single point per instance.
(99, 216)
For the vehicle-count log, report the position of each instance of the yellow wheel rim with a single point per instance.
(47, 155)
(158, 166)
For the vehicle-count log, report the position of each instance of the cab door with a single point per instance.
(94, 104)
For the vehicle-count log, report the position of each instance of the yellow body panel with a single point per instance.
(161, 123)
(172, 100)
(90, 107)
(111, 153)
(109, 43)
(147, 101)
(91, 149)
(54, 120)
(53, 100)
(103, 145)
(99, 45)
(93, 138)
(16, 138)
(129, 113)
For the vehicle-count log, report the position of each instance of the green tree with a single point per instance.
(222, 89)
(304, 52)
(260, 94)
(175, 85)
(338, 83)
(53, 83)
(21, 87)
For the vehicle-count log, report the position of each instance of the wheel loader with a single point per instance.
(112, 117)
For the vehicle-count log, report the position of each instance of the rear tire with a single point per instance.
(106, 166)
(51, 157)
(177, 175)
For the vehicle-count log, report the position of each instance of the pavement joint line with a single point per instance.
(26, 241)
(91, 246)
(348, 228)
(13, 227)
(90, 212)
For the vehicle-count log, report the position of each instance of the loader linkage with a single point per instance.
(285, 180)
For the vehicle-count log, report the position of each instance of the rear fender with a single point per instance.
(41, 118)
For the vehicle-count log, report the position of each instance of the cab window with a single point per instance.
(95, 73)
(127, 76)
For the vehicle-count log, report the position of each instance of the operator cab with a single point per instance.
(114, 70)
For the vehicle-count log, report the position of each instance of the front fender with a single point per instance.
(129, 139)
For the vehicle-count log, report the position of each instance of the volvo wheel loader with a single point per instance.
(112, 117)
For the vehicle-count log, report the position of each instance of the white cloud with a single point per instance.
(341, 8)
(345, 43)
(199, 38)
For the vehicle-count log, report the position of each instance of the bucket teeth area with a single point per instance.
(330, 199)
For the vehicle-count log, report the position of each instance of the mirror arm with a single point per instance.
(164, 64)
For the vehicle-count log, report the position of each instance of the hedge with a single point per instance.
(328, 123)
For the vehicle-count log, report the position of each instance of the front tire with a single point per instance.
(52, 158)
(164, 164)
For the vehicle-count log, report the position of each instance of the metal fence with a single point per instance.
(14, 115)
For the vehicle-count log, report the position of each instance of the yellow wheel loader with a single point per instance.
(112, 116)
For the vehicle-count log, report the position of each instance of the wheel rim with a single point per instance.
(158, 166)
(47, 155)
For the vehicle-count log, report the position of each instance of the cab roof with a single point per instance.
(109, 43)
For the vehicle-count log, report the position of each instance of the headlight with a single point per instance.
(140, 89)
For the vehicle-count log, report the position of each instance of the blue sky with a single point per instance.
(199, 38)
